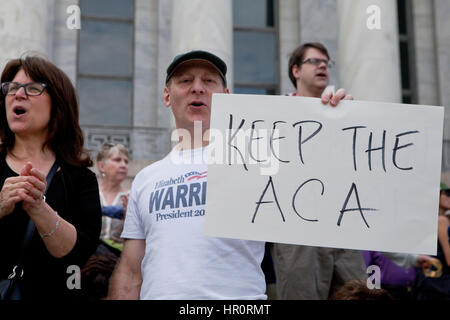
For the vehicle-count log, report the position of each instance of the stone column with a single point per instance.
(24, 27)
(369, 64)
(65, 40)
(206, 25)
(442, 38)
(425, 51)
(318, 21)
(165, 56)
(289, 39)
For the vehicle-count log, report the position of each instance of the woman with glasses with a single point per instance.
(112, 163)
(39, 132)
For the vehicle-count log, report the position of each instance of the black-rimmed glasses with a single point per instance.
(31, 89)
(317, 62)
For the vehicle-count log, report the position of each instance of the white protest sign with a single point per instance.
(363, 175)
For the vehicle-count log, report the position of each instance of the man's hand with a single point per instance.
(328, 97)
(424, 261)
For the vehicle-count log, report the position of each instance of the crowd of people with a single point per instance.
(54, 213)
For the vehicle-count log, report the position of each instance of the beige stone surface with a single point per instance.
(207, 25)
(23, 29)
(369, 59)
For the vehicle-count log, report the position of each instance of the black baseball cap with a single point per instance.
(218, 63)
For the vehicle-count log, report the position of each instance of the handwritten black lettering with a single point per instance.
(370, 149)
(344, 207)
(253, 139)
(278, 138)
(260, 201)
(300, 132)
(354, 142)
(231, 137)
(397, 147)
(295, 196)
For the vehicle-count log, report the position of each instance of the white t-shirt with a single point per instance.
(167, 208)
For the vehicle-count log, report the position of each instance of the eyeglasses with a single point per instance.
(317, 62)
(31, 89)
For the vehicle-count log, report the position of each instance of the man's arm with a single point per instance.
(406, 260)
(443, 225)
(126, 280)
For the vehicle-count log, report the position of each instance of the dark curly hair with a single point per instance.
(358, 290)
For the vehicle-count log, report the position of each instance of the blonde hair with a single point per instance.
(107, 148)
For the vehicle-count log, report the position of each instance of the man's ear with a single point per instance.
(166, 96)
(296, 71)
(227, 90)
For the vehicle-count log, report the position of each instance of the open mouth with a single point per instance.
(324, 75)
(19, 111)
(197, 104)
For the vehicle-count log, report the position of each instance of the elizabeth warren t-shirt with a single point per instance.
(167, 209)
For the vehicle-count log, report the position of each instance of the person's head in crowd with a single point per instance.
(112, 162)
(38, 101)
(358, 290)
(191, 80)
(96, 273)
(444, 199)
(309, 69)
(444, 224)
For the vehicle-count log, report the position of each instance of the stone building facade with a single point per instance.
(117, 59)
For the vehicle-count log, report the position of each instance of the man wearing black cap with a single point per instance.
(166, 254)
(191, 80)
